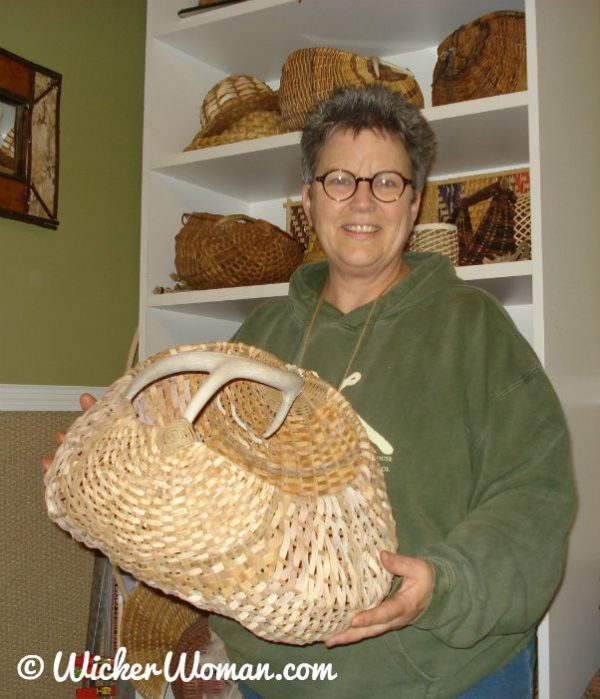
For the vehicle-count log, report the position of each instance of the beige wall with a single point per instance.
(68, 298)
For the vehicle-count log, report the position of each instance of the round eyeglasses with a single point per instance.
(340, 185)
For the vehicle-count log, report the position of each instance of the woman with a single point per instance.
(470, 434)
(469, 431)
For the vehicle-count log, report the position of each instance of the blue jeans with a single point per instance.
(512, 681)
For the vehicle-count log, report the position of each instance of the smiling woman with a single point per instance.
(29, 128)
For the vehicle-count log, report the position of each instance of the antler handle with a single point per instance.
(222, 368)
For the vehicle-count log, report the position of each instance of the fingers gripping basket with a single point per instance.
(274, 520)
(214, 251)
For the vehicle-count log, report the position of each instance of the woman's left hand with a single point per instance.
(398, 610)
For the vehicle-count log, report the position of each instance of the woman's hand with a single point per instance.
(400, 609)
(86, 400)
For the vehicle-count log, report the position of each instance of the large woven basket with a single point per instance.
(270, 514)
(213, 251)
(231, 99)
(310, 75)
(483, 58)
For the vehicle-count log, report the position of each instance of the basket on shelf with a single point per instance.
(253, 125)
(231, 99)
(441, 199)
(483, 58)
(435, 237)
(310, 75)
(209, 460)
(298, 226)
(522, 229)
(493, 239)
(213, 251)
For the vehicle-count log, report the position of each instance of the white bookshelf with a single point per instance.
(548, 128)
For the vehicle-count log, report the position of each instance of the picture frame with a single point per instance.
(29, 140)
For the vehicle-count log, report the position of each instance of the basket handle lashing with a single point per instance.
(222, 369)
(235, 217)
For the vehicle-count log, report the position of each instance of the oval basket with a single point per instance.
(274, 520)
(310, 75)
(213, 251)
(483, 58)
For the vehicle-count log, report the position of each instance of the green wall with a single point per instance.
(68, 298)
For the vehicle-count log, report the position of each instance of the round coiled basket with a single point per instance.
(264, 502)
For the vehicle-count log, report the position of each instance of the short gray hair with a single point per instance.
(372, 107)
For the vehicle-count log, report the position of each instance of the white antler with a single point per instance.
(222, 368)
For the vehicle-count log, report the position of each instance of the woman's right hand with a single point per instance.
(86, 400)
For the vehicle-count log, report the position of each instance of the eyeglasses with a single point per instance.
(340, 185)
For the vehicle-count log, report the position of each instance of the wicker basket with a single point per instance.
(522, 230)
(254, 125)
(493, 239)
(198, 637)
(213, 506)
(484, 58)
(435, 237)
(151, 625)
(214, 251)
(231, 99)
(298, 227)
(310, 75)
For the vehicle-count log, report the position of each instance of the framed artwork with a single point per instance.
(29, 141)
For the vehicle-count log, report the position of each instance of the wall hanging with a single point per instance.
(29, 140)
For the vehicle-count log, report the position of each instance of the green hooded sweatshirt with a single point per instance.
(475, 451)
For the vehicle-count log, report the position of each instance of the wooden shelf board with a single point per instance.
(269, 168)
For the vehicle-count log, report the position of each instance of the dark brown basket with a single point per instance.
(483, 58)
(494, 237)
(214, 251)
(310, 75)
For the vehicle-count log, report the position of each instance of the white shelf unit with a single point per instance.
(186, 57)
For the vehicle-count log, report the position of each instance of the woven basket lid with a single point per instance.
(233, 97)
(265, 502)
(253, 125)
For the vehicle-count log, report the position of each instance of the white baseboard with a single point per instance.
(35, 398)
